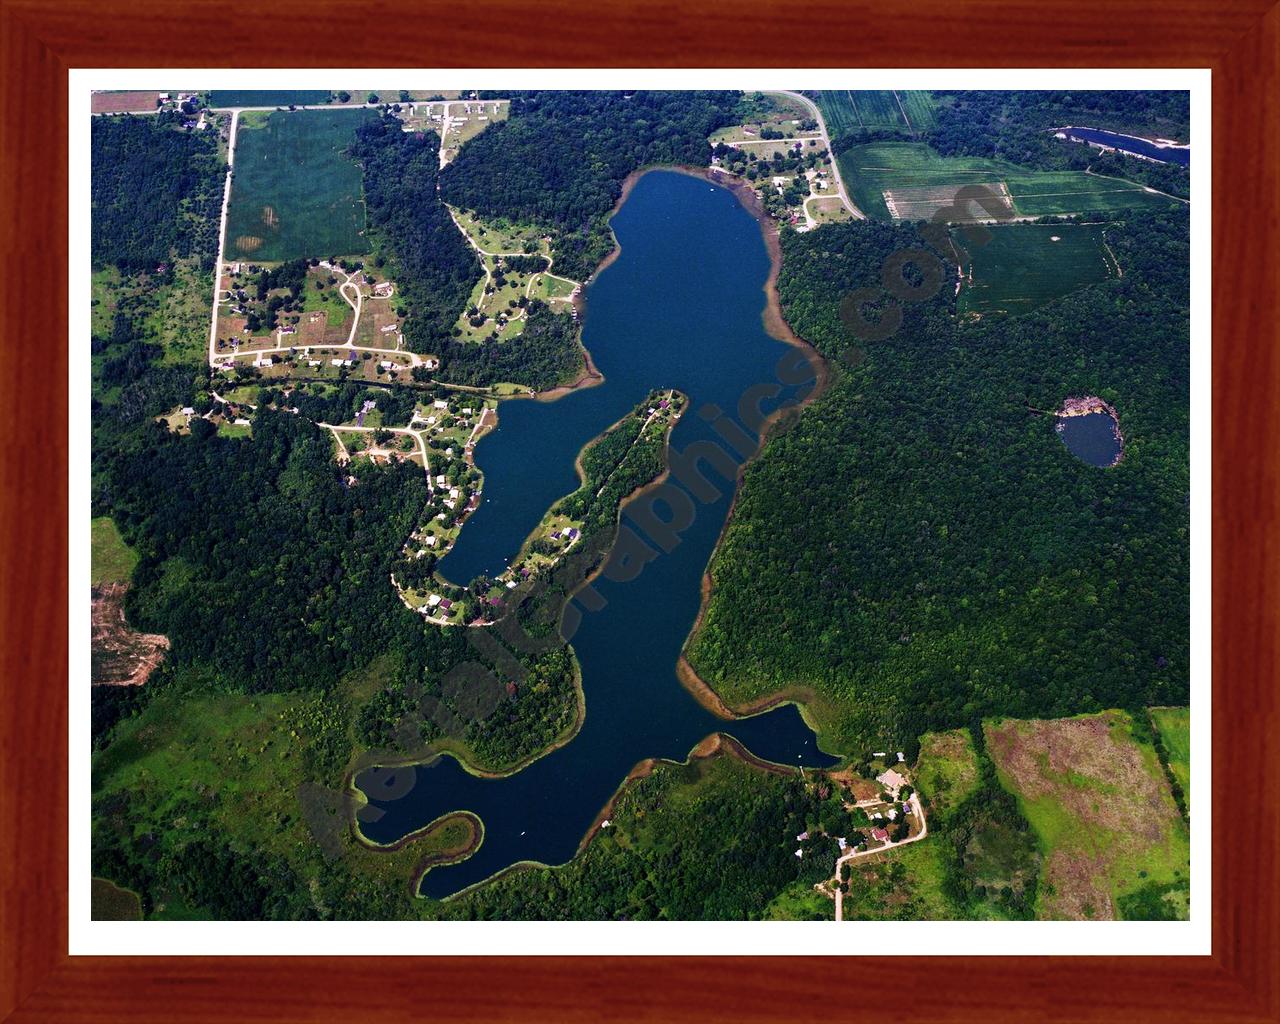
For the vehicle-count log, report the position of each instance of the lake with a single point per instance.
(1133, 144)
(681, 307)
(1092, 438)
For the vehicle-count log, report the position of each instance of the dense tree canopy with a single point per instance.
(156, 190)
(560, 159)
(545, 353)
(430, 259)
(921, 548)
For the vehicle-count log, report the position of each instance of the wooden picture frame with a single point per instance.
(1239, 40)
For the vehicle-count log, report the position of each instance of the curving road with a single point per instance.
(826, 138)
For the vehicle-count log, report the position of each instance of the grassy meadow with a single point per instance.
(1174, 726)
(111, 559)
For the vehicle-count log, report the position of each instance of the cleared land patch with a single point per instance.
(924, 202)
(1115, 845)
(124, 102)
(119, 655)
(295, 192)
(1023, 266)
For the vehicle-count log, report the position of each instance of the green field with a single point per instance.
(920, 108)
(871, 169)
(294, 191)
(267, 97)
(111, 559)
(848, 110)
(1114, 843)
(1174, 726)
(1023, 266)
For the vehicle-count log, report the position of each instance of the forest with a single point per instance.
(1013, 126)
(923, 547)
(156, 191)
(560, 159)
(546, 354)
(428, 257)
(703, 841)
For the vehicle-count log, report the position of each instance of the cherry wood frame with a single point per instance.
(39, 41)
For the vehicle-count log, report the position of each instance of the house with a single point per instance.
(442, 480)
(446, 605)
(799, 853)
(263, 361)
(335, 362)
(841, 842)
(387, 364)
(431, 540)
(879, 835)
(388, 329)
(241, 422)
(802, 837)
(188, 410)
(313, 362)
(891, 780)
(439, 404)
(893, 814)
(433, 600)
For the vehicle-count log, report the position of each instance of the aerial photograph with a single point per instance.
(672, 505)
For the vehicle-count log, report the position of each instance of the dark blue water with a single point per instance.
(1092, 438)
(681, 307)
(1130, 144)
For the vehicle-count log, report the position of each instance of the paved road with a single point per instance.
(826, 138)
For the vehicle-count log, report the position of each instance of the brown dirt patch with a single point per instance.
(121, 656)
(1078, 886)
(1098, 800)
(248, 243)
(123, 102)
(1090, 766)
(270, 218)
